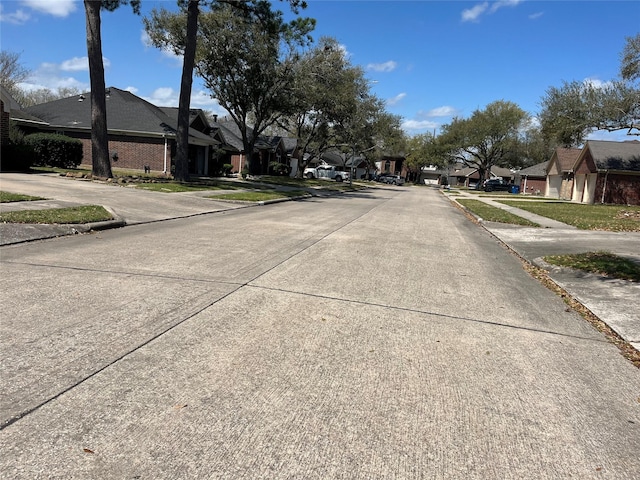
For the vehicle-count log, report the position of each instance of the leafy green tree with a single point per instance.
(489, 137)
(423, 150)
(324, 93)
(169, 30)
(569, 113)
(630, 61)
(101, 164)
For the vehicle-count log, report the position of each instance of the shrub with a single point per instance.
(53, 150)
(16, 157)
(280, 168)
(226, 169)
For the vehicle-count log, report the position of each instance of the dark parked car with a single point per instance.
(497, 184)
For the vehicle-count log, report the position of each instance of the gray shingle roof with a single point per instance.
(619, 156)
(125, 112)
(537, 170)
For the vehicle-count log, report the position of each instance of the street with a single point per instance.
(378, 334)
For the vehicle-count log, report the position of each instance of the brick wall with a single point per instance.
(4, 125)
(133, 152)
(534, 185)
(620, 189)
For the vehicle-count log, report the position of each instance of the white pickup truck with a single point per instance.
(326, 172)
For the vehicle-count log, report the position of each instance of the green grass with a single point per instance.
(7, 197)
(260, 196)
(84, 214)
(601, 263)
(614, 218)
(174, 187)
(494, 214)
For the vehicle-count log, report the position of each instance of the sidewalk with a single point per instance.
(615, 302)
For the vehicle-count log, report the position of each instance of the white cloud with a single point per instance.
(495, 6)
(54, 76)
(168, 97)
(596, 83)
(57, 8)
(164, 97)
(473, 14)
(395, 100)
(383, 67)
(19, 17)
(131, 89)
(416, 125)
(75, 64)
(535, 16)
(444, 111)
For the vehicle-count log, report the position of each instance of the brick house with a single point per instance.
(141, 135)
(560, 173)
(469, 176)
(608, 172)
(532, 180)
(267, 149)
(6, 103)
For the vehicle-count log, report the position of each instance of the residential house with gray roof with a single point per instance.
(560, 173)
(141, 135)
(608, 172)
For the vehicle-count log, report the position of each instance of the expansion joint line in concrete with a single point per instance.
(425, 312)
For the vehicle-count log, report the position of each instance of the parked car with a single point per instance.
(326, 172)
(394, 179)
(496, 184)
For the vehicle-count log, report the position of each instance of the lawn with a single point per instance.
(613, 218)
(72, 215)
(494, 214)
(257, 196)
(601, 263)
(175, 187)
(7, 197)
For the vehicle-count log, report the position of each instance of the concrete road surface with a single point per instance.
(374, 335)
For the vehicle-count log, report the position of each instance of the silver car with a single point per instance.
(394, 179)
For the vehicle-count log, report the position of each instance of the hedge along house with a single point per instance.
(141, 135)
(608, 172)
(560, 173)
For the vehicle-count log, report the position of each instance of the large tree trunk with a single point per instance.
(101, 165)
(182, 141)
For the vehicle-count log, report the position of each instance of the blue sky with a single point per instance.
(429, 60)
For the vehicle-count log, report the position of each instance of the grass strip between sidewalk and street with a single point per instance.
(612, 218)
(69, 215)
(601, 263)
(490, 213)
(259, 196)
(8, 197)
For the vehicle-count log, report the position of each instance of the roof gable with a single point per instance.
(616, 156)
(563, 160)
